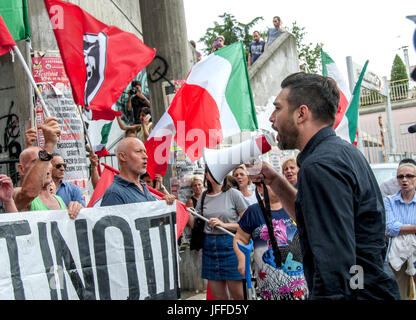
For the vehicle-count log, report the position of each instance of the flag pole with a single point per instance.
(32, 81)
(85, 128)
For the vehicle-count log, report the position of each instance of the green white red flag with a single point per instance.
(346, 121)
(215, 102)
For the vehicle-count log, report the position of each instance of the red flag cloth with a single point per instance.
(6, 39)
(106, 180)
(209, 295)
(182, 215)
(100, 60)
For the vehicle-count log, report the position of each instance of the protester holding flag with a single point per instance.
(338, 206)
(33, 165)
(223, 206)
(95, 177)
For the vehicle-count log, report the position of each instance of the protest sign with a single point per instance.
(119, 252)
(49, 74)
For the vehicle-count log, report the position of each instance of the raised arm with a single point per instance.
(95, 177)
(6, 193)
(34, 179)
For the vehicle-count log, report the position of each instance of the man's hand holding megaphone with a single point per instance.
(261, 171)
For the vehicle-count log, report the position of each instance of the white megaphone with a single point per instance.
(220, 162)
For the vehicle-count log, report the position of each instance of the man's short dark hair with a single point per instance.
(130, 131)
(144, 175)
(135, 83)
(407, 160)
(318, 92)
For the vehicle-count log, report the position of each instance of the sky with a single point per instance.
(363, 29)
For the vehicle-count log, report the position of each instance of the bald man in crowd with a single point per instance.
(127, 186)
(33, 165)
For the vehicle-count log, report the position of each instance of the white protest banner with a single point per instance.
(119, 252)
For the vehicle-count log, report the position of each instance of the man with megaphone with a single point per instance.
(338, 206)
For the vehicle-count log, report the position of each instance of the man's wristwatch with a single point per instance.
(45, 155)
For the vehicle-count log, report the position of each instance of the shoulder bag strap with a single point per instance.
(268, 219)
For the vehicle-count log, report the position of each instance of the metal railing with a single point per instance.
(399, 90)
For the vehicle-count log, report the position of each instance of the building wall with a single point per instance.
(10, 142)
(104, 10)
(269, 70)
(402, 118)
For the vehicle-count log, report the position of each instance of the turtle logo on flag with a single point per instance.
(95, 53)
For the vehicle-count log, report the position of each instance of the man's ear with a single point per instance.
(303, 113)
(20, 169)
(122, 156)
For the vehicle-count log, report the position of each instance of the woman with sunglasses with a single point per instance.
(401, 227)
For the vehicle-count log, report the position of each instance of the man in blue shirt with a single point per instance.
(274, 33)
(256, 48)
(67, 191)
(127, 187)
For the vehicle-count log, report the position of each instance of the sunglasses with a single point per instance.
(59, 165)
(407, 176)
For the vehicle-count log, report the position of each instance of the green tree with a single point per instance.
(398, 70)
(399, 89)
(308, 53)
(231, 29)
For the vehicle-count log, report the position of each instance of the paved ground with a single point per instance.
(192, 295)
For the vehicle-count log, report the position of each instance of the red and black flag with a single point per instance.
(100, 60)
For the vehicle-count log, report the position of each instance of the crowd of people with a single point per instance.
(256, 48)
(321, 228)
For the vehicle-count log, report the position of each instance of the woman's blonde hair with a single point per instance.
(195, 178)
(286, 163)
(243, 167)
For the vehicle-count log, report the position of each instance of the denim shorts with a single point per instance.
(219, 261)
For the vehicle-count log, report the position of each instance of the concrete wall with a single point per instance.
(106, 11)
(275, 64)
(10, 133)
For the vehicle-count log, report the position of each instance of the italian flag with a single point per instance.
(346, 121)
(215, 102)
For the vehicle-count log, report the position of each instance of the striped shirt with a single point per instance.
(399, 213)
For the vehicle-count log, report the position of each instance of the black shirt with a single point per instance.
(137, 104)
(341, 220)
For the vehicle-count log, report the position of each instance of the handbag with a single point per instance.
(197, 235)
